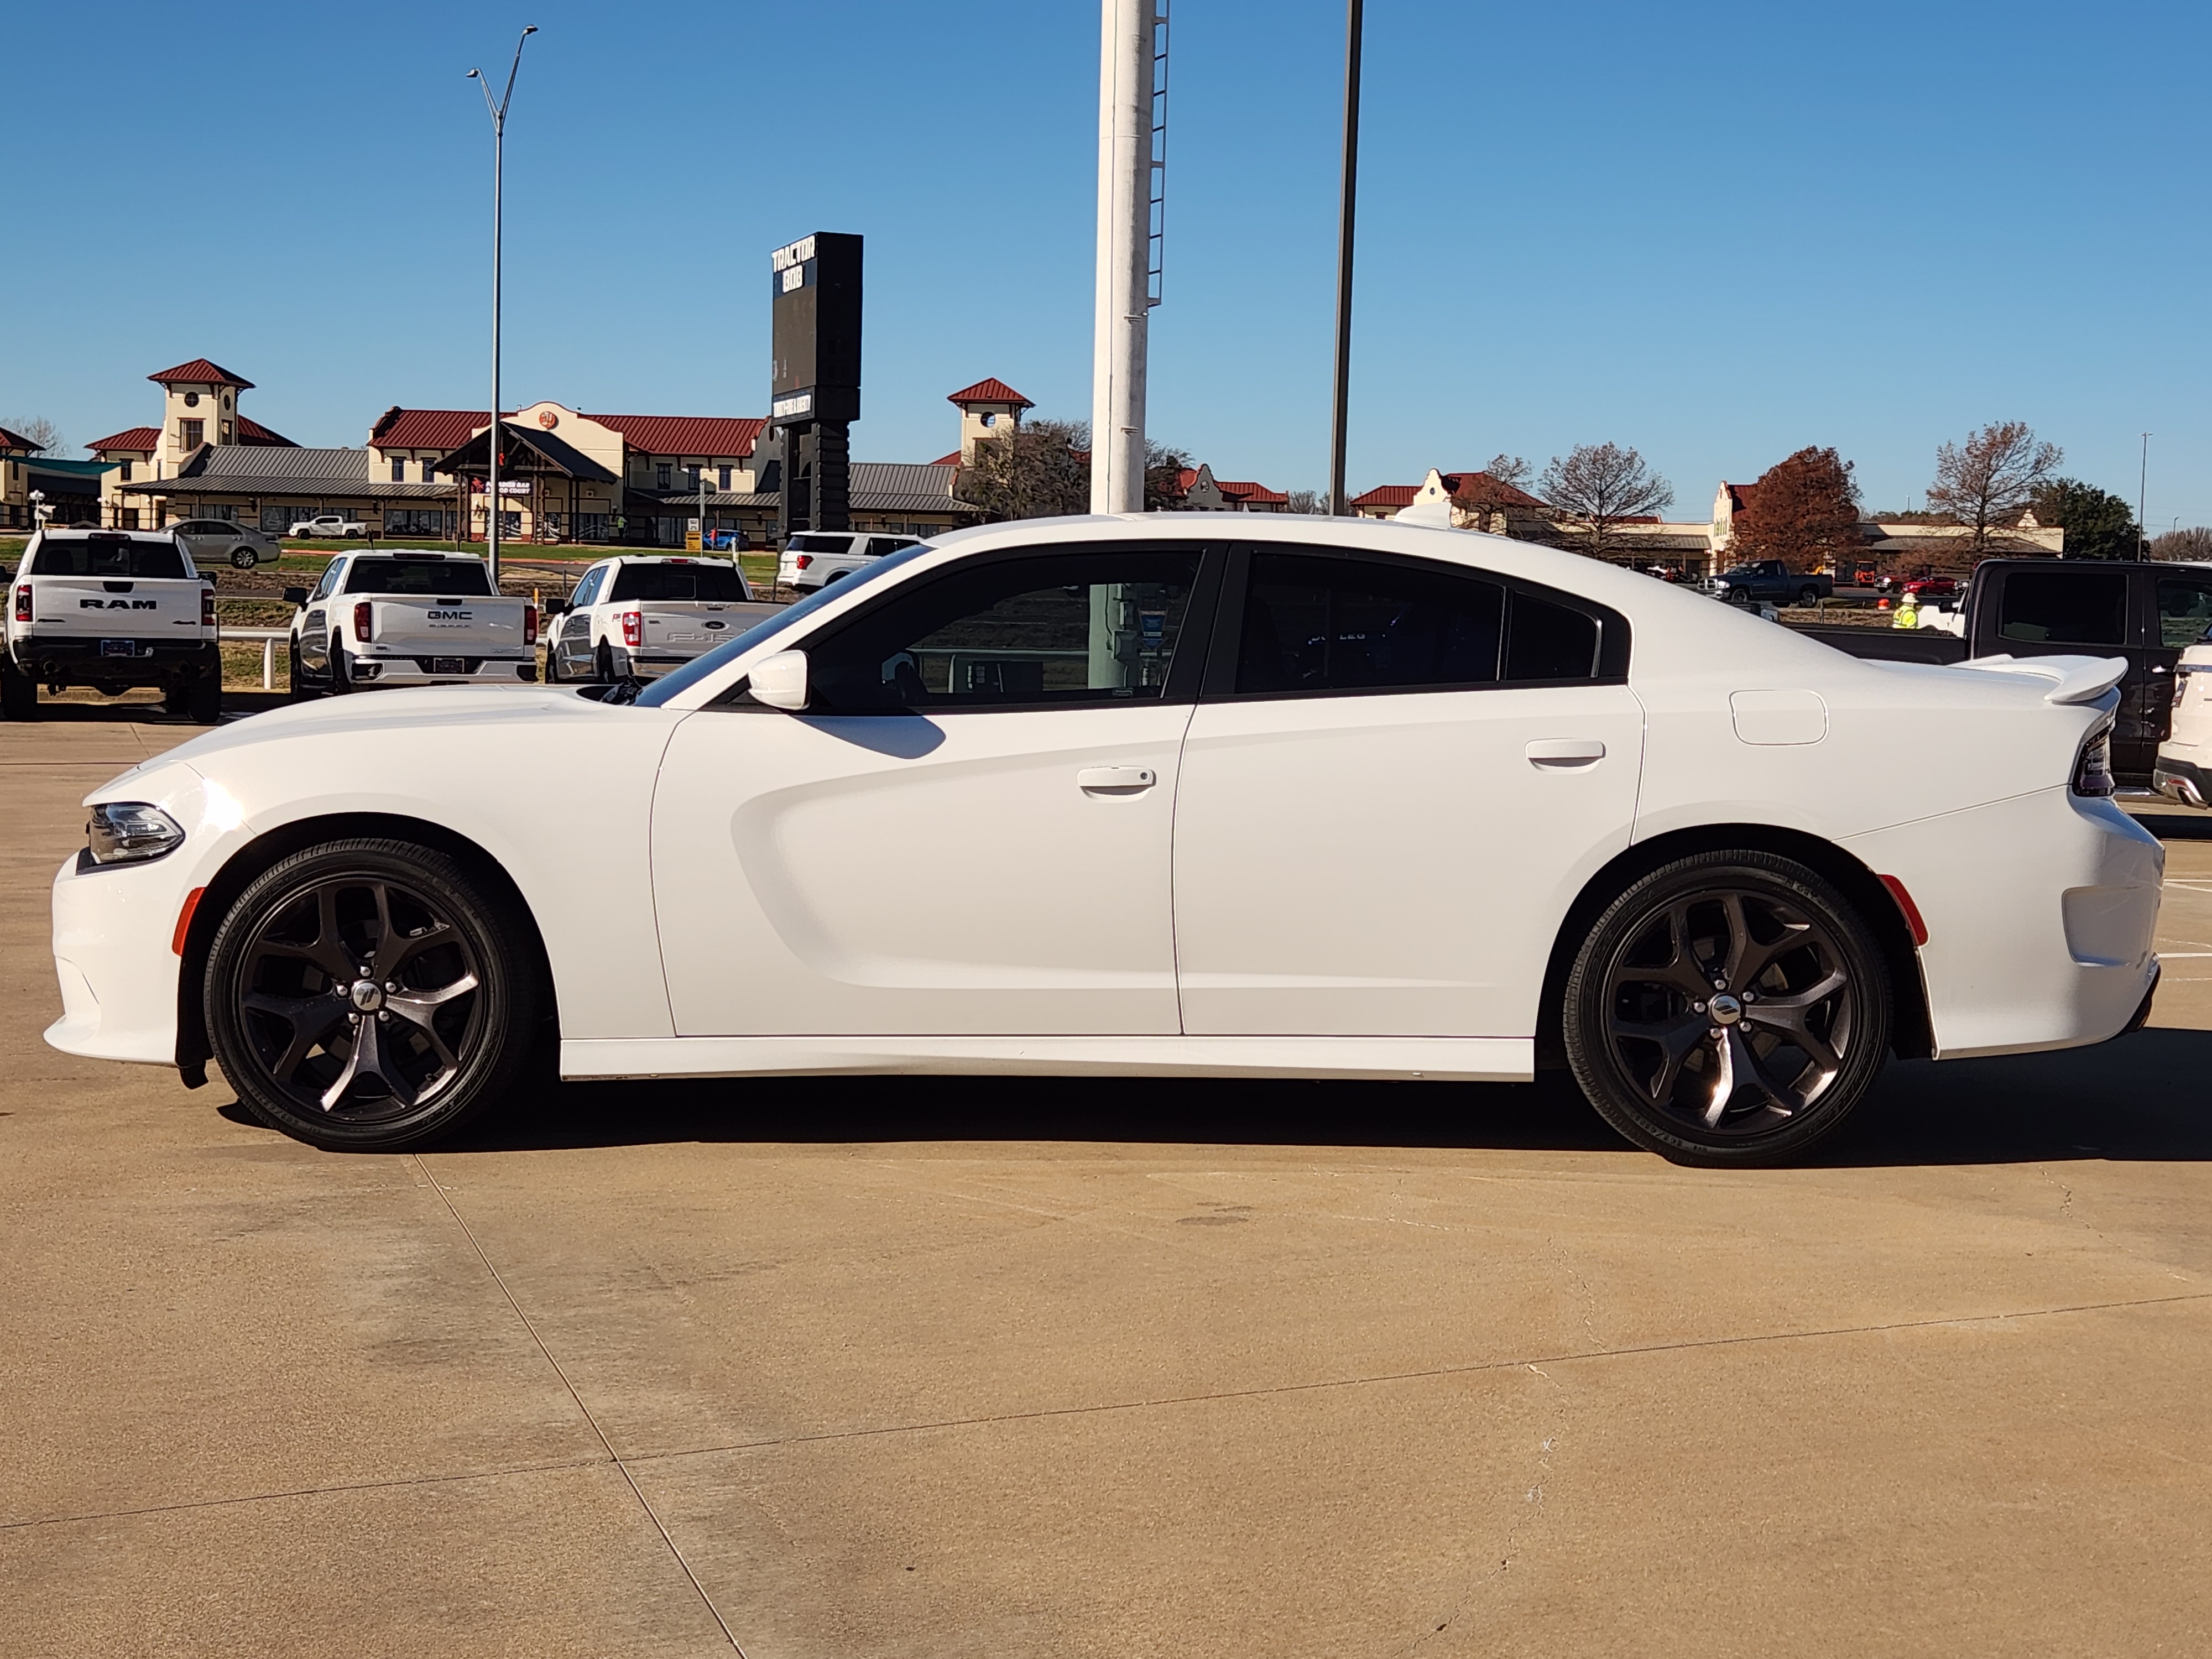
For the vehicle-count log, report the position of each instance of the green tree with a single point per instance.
(2098, 524)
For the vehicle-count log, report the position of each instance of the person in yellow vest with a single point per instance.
(1908, 613)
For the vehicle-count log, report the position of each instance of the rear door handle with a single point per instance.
(1564, 751)
(1116, 780)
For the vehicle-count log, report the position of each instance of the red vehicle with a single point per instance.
(1933, 587)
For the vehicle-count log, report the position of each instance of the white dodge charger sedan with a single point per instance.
(1297, 797)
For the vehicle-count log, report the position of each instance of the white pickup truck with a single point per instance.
(409, 619)
(110, 608)
(635, 618)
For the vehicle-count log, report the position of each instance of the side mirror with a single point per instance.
(781, 681)
(295, 596)
(554, 608)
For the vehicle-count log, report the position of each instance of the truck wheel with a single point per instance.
(603, 664)
(1730, 1008)
(340, 684)
(19, 693)
(1808, 596)
(370, 994)
(205, 703)
(1739, 596)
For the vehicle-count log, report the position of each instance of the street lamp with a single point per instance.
(1354, 22)
(2142, 479)
(498, 168)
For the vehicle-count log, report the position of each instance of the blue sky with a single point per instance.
(1716, 232)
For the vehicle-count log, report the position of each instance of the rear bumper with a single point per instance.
(2040, 913)
(418, 671)
(2180, 780)
(80, 661)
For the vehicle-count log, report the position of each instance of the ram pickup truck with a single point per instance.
(2147, 613)
(637, 617)
(1769, 581)
(112, 609)
(409, 619)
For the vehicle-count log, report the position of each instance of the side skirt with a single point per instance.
(1452, 1060)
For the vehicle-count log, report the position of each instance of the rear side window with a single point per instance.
(1315, 623)
(109, 556)
(713, 583)
(428, 577)
(879, 545)
(2184, 610)
(2064, 607)
(805, 544)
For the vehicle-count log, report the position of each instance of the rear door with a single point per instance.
(2178, 607)
(2054, 608)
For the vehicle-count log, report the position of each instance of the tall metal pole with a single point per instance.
(2142, 485)
(1338, 504)
(498, 182)
(1120, 322)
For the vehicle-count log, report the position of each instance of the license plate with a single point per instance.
(118, 647)
(449, 665)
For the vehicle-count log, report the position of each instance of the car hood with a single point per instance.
(444, 707)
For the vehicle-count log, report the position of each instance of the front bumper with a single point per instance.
(2040, 913)
(112, 929)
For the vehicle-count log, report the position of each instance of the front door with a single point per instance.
(966, 833)
(1401, 775)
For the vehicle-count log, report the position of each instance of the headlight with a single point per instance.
(129, 832)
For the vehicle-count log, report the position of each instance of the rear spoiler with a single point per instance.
(2072, 679)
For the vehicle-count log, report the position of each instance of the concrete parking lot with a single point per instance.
(1124, 1368)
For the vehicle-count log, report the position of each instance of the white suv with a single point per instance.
(815, 558)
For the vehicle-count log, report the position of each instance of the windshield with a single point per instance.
(108, 555)
(681, 679)
(712, 583)
(461, 578)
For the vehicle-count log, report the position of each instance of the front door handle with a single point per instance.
(1564, 751)
(1116, 780)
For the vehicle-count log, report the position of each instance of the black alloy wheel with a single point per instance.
(1730, 1008)
(370, 995)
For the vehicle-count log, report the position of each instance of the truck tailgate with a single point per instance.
(673, 628)
(96, 607)
(457, 627)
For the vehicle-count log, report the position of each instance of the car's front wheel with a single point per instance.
(370, 995)
(1729, 1008)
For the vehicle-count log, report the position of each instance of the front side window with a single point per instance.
(328, 584)
(587, 591)
(1051, 629)
(2064, 607)
(2184, 610)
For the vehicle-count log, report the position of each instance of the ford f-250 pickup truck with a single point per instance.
(110, 608)
(409, 619)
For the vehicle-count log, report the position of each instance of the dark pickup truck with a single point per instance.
(2147, 613)
(1769, 581)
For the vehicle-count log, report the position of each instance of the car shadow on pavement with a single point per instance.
(2140, 1098)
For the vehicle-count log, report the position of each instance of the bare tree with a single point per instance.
(1986, 483)
(1599, 486)
(1033, 470)
(1164, 466)
(1511, 470)
(43, 432)
(1305, 500)
(2192, 543)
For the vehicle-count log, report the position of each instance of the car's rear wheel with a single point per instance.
(603, 664)
(370, 995)
(1730, 1008)
(1808, 596)
(19, 692)
(244, 558)
(341, 682)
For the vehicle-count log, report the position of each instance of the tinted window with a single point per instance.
(879, 545)
(109, 556)
(1327, 624)
(430, 577)
(2184, 610)
(717, 583)
(805, 543)
(1547, 641)
(1071, 627)
(2064, 607)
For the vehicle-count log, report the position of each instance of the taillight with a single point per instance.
(23, 603)
(207, 607)
(802, 562)
(2092, 767)
(529, 624)
(633, 628)
(360, 621)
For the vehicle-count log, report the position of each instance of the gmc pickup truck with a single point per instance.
(636, 618)
(409, 619)
(1769, 581)
(110, 608)
(2147, 613)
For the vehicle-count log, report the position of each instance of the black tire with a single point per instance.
(203, 701)
(19, 692)
(1801, 1005)
(341, 683)
(1808, 596)
(244, 558)
(602, 663)
(301, 689)
(1739, 596)
(287, 1006)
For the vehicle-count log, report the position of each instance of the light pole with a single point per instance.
(1353, 27)
(498, 171)
(2142, 479)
